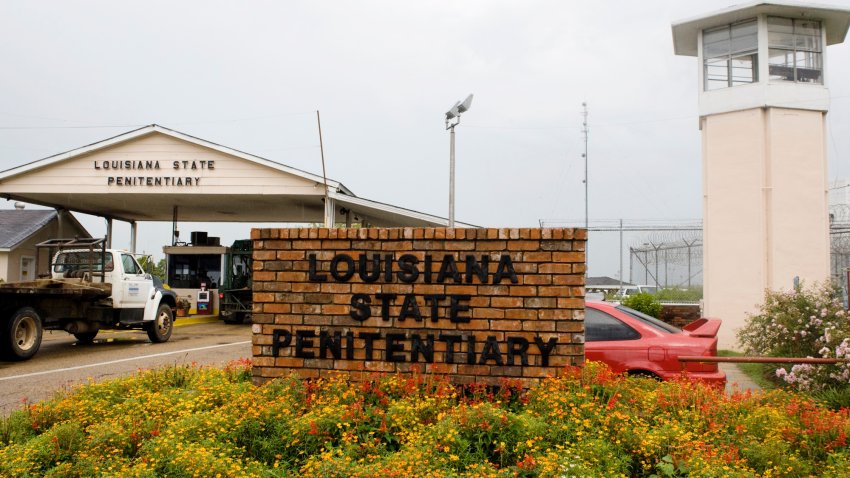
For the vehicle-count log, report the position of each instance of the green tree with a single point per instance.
(156, 270)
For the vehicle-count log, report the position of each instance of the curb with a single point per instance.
(196, 319)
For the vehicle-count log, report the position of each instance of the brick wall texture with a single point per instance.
(475, 304)
(680, 315)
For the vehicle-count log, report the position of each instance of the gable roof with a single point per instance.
(604, 281)
(155, 128)
(16, 225)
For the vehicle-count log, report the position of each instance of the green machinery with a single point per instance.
(235, 299)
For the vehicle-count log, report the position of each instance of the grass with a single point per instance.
(759, 373)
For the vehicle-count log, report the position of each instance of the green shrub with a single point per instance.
(692, 294)
(802, 323)
(834, 398)
(644, 302)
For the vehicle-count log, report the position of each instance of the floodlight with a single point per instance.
(457, 109)
(454, 111)
(464, 107)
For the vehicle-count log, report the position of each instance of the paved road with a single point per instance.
(62, 363)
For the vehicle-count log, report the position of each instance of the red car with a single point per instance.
(635, 343)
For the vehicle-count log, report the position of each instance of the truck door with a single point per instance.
(135, 288)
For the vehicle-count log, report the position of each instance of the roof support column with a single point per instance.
(174, 232)
(133, 234)
(60, 223)
(330, 212)
(109, 233)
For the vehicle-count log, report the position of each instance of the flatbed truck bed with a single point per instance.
(75, 288)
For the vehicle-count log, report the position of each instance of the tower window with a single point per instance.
(795, 50)
(730, 55)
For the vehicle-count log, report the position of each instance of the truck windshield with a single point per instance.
(81, 261)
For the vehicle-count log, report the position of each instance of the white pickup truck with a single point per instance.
(89, 289)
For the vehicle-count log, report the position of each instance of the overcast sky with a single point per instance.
(251, 75)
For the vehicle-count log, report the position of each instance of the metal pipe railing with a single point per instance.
(697, 358)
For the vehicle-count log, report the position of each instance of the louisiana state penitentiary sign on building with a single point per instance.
(477, 304)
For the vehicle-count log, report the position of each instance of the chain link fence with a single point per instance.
(669, 255)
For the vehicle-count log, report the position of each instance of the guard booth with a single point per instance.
(194, 271)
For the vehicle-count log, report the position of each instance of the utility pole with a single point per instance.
(621, 256)
(328, 207)
(584, 131)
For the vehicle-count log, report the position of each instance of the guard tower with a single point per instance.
(763, 100)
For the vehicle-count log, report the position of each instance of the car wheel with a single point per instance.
(85, 337)
(643, 374)
(160, 329)
(22, 334)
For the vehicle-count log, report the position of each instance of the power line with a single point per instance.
(74, 127)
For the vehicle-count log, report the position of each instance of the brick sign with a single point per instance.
(477, 304)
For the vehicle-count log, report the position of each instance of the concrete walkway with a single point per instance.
(736, 379)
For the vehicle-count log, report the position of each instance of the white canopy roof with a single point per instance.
(151, 173)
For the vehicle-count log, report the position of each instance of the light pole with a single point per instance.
(452, 120)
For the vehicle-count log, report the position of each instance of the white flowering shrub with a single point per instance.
(802, 323)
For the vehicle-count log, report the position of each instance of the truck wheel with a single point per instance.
(22, 334)
(85, 337)
(161, 327)
(234, 318)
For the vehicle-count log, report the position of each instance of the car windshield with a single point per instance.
(648, 320)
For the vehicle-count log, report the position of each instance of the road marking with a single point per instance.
(163, 354)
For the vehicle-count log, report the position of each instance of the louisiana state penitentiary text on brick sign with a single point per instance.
(477, 304)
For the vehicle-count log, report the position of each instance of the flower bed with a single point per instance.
(188, 421)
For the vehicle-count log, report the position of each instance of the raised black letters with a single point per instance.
(491, 351)
(410, 308)
(332, 344)
(455, 307)
(505, 269)
(280, 339)
(409, 272)
(360, 309)
(394, 345)
(434, 299)
(513, 350)
(448, 268)
(312, 273)
(417, 347)
(363, 271)
(473, 269)
(450, 341)
(369, 338)
(349, 272)
(545, 349)
(302, 341)
(386, 300)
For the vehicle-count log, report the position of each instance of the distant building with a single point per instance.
(21, 230)
(604, 284)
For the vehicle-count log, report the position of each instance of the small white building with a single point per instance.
(21, 230)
